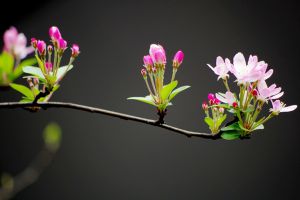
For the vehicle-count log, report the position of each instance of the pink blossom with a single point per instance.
(178, 58)
(41, 46)
(227, 98)
(221, 68)
(54, 33)
(62, 44)
(249, 72)
(75, 50)
(147, 61)
(158, 54)
(15, 43)
(266, 93)
(211, 96)
(48, 66)
(279, 107)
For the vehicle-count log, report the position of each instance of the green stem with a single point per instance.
(173, 74)
(226, 84)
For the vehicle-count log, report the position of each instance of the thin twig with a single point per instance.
(74, 106)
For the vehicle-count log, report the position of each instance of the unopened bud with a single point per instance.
(221, 110)
(50, 49)
(144, 73)
(204, 106)
(33, 42)
(235, 104)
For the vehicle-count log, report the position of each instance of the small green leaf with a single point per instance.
(177, 91)
(19, 69)
(34, 71)
(148, 99)
(22, 89)
(62, 70)
(221, 120)
(167, 89)
(6, 62)
(231, 135)
(209, 121)
(234, 126)
(52, 136)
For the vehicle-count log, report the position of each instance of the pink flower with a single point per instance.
(48, 66)
(75, 50)
(54, 33)
(62, 44)
(15, 43)
(157, 54)
(266, 93)
(279, 107)
(227, 98)
(178, 58)
(41, 47)
(248, 72)
(221, 68)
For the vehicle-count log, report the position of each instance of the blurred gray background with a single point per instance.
(108, 158)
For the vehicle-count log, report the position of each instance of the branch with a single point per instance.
(46, 105)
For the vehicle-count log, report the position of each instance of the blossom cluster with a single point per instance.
(154, 68)
(254, 93)
(15, 49)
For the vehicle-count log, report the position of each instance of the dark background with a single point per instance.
(108, 158)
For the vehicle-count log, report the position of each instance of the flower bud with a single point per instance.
(215, 109)
(178, 58)
(33, 42)
(235, 104)
(204, 106)
(144, 73)
(157, 54)
(50, 49)
(41, 47)
(154, 70)
(216, 101)
(211, 96)
(254, 93)
(54, 33)
(48, 66)
(35, 81)
(148, 63)
(75, 50)
(221, 110)
(61, 44)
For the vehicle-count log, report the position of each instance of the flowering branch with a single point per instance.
(46, 105)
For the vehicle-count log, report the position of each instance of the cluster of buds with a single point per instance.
(50, 56)
(253, 94)
(154, 67)
(214, 113)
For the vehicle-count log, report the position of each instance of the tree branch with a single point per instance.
(46, 105)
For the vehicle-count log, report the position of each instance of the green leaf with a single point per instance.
(6, 62)
(177, 91)
(34, 71)
(209, 121)
(231, 135)
(221, 120)
(19, 69)
(52, 136)
(167, 89)
(22, 89)
(62, 70)
(234, 126)
(148, 99)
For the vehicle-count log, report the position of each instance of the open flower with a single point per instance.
(279, 107)
(227, 98)
(249, 72)
(266, 93)
(221, 68)
(15, 43)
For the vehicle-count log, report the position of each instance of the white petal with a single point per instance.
(221, 98)
(289, 108)
(277, 96)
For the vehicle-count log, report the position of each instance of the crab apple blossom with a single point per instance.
(221, 68)
(278, 107)
(158, 54)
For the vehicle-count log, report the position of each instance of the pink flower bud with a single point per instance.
(211, 96)
(216, 101)
(254, 93)
(33, 42)
(50, 48)
(204, 106)
(62, 44)
(75, 50)
(178, 58)
(147, 61)
(221, 110)
(48, 66)
(41, 46)
(157, 54)
(235, 104)
(144, 73)
(154, 70)
(54, 33)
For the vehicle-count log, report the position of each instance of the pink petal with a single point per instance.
(219, 61)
